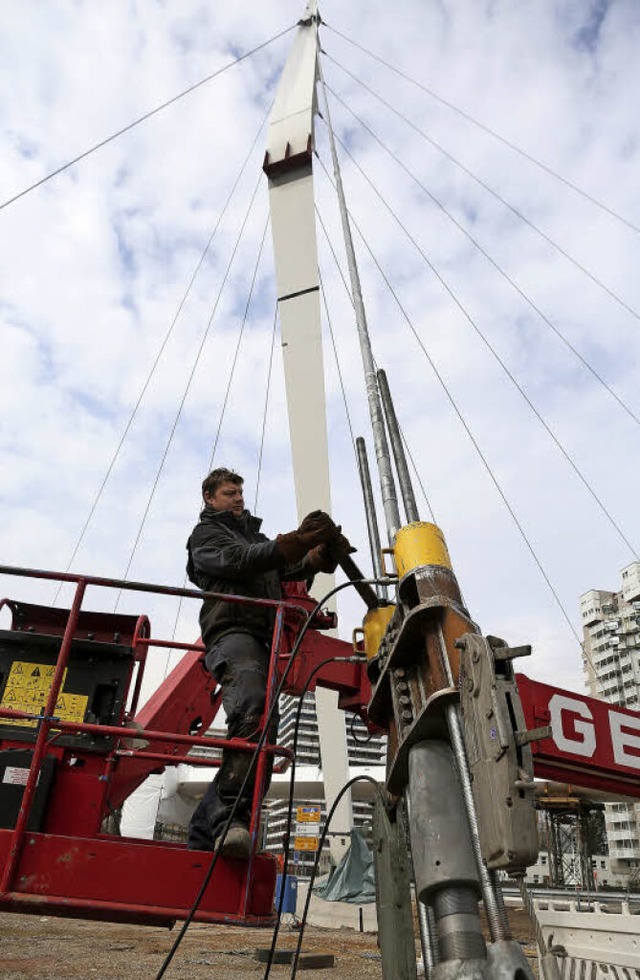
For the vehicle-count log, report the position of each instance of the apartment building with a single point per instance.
(611, 663)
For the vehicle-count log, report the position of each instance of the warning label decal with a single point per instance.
(27, 689)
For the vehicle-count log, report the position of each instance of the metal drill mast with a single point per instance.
(443, 692)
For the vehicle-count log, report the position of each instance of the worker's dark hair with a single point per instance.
(217, 477)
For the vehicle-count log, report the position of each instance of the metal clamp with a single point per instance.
(385, 572)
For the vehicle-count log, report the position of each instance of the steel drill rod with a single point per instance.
(496, 926)
(370, 514)
(380, 441)
(364, 590)
(399, 455)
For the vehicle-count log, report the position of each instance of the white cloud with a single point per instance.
(94, 264)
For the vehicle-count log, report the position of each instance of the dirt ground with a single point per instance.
(57, 949)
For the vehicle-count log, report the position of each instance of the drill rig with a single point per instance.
(466, 735)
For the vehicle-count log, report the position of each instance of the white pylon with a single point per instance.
(289, 167)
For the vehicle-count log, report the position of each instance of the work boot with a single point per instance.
(237, 843)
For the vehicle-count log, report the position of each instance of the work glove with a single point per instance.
(295, 545)
(327, 556)
(318, 520)
(319, 559)
(340, 547)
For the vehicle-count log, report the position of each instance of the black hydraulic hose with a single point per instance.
(287, 842)
(207, 878)
(303, 921)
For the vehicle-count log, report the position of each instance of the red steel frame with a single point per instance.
(71, 868)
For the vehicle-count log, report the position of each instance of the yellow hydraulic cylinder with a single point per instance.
(372, 630)
(420, 544)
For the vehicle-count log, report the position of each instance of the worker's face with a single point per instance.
(228, 496)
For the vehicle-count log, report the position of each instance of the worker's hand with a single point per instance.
(319, 559)
(318, 520)
(295, 545)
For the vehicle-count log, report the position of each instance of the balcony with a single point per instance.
(627, 853)
(620, 835)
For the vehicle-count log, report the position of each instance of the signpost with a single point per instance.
(307, 828)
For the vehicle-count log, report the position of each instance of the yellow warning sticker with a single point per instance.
(27, 689)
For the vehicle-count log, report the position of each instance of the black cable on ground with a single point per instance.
(147, 115)
(471, 321)
(512, 282)
(287, 844)
(263, 736)
(488, 130)
(287, 839)
(303, 921)
(487, 187)
(158, 356)
(466, 427)
(187, 389)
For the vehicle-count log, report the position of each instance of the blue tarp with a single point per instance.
(353, 879)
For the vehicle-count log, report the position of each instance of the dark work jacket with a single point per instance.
(230, 554)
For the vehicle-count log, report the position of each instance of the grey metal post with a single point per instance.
(370, 514)
(393, 897)
(380, 441)
(404, 477)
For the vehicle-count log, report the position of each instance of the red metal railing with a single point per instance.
(47, 720)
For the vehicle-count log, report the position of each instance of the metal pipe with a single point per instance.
(380, 441)
(370, 514)
(399, 455)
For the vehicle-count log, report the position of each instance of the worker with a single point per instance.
(227, 553)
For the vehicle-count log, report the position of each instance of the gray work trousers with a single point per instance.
(239, 662)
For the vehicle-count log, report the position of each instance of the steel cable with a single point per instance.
(466, 427)
(158, 357)
(188, 386)
(491, 132)
(266, 405)
(488, 257)
(487, 187)
(140, 119)
(224, 406)
(497, 357)
(344, 282)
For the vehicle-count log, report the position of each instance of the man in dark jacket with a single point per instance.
(229, 554)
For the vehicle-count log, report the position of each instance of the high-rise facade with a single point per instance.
(611, 663)
(364, 751)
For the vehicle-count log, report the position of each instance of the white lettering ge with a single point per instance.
(582, 740)
(623, 740)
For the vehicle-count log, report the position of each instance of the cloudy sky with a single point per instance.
(498, 253)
